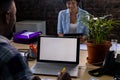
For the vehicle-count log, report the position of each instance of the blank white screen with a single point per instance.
(58, 49)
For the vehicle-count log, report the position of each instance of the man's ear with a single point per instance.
(7, 17)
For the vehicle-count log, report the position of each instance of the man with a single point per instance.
(12, 65)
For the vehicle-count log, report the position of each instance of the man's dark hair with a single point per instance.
(4, 7)
(65, 1)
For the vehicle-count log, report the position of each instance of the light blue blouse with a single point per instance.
(63, 24)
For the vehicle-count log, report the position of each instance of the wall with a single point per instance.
(48, 10)
(40, 10)
(102, 7)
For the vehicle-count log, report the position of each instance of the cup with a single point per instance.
(114, 45)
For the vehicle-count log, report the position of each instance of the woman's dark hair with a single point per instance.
(65, 1)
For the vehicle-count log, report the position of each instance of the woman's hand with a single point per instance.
(60, 35)
(83, 39)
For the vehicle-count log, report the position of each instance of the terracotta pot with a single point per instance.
(96, 53)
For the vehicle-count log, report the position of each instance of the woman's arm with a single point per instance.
(59, 24)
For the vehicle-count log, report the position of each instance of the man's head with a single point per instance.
(7, 17)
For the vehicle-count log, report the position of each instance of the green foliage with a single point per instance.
(99, 28)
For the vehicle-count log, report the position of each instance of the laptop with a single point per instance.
(74, 34)
(55, 53)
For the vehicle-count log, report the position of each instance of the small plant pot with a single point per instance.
(96, 53)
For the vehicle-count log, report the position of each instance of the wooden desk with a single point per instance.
(84, 66)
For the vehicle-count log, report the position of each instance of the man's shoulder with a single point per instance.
(7, 48)
(7, 52)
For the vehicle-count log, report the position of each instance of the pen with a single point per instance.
(63, 70)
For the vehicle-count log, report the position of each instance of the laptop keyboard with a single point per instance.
(53, 68)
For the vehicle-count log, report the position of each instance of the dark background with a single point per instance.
(47, 10)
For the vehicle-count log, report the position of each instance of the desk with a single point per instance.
(84, 66)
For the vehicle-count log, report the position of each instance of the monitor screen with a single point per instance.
(60, 49)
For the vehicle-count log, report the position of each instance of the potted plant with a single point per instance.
(97, 44)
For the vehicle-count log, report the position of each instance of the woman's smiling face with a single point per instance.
(72, 5)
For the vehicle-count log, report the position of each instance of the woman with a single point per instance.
(70, 20)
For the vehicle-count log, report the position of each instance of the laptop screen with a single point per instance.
(58, 49)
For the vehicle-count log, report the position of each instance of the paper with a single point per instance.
(84, 47)
(47, 79)
(27, 34)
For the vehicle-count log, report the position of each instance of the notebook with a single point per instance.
(55, 53)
